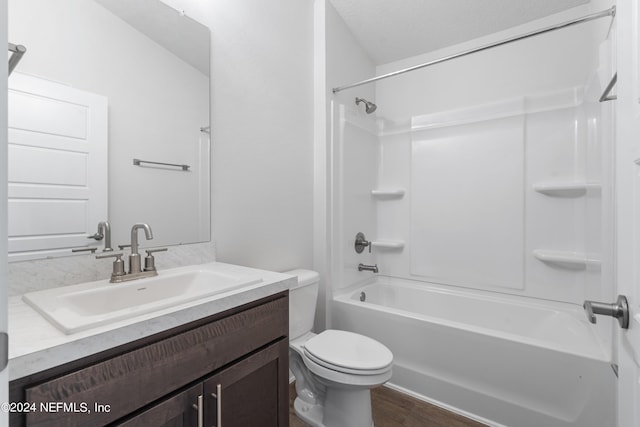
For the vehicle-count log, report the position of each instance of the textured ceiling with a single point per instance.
(394, 29)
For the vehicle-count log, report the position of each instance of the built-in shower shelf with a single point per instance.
(388, 193)
(574, 260)
(565, 189)
(388, 244)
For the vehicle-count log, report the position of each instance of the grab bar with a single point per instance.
(605, 95)
(137, 162)
(17, 50)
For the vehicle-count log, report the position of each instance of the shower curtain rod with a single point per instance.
(609, 12)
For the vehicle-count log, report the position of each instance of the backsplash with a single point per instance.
(29, 276)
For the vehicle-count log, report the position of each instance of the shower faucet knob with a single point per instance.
(361, 243)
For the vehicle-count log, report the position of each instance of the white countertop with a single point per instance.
(36, 345)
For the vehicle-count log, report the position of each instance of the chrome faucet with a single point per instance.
(364, 267)
(104, 229)
(134, 257)
(104, 232)
(135, 271)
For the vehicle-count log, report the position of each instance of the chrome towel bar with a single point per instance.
(137, 162)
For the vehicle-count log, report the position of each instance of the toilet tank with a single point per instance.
(302, 302)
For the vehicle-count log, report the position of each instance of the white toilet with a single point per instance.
(334, 370)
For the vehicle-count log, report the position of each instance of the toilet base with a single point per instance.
(310, 414)
(346, 409)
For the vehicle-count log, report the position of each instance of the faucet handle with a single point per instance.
(121, 247)
(361, 243)
(588, 308)
(619, 310)
(89, 249)
(97, 236)
(150, 251)
(117, 255)
(149, 260)
(118, 265)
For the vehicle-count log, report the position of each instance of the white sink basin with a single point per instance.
(75, 308)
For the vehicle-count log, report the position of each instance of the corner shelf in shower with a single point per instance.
(565, 188)
(567, 259)
(388, 244)
(388, 193)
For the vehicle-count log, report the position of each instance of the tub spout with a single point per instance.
(364, 267)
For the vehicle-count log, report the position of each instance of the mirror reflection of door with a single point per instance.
(57, 163)
(152, 64)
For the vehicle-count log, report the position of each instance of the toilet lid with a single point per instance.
(349, 350)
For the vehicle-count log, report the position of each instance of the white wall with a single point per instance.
(155, 99)
(547, 62)
(262, 129)
(262, 135)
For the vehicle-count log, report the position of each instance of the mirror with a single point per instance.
(149, 65)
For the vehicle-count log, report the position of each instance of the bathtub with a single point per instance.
(500, 359)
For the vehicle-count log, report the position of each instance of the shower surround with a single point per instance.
(485, 186)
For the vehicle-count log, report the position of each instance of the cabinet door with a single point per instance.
(180, 410)
(251, 392)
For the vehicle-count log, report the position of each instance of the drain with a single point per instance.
(363, 296)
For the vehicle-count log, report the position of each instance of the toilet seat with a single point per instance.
(348, 352)
(312, 359)
(342, 379)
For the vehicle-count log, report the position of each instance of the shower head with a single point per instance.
(370, 107)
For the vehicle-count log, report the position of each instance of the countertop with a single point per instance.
(36, 345)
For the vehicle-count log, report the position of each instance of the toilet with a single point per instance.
(334, 369)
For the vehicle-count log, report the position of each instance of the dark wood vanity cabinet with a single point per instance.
(174, 411)
(230, 370)
(244, 394)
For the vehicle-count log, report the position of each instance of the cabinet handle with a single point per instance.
(218, 397)
(200, 408)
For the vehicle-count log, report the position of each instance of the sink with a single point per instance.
(76, 308)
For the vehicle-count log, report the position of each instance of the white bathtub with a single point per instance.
(503, 360)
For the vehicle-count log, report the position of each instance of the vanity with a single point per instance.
(221, 360)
